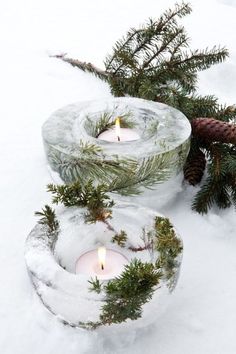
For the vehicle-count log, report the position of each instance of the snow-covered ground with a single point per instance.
(201, 318)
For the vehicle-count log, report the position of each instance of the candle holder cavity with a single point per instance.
(75, 147)
(134, 294)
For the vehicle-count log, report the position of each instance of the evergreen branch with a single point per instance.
(168, 245)
(126, 294)
(95, 199)
(209, 194)
(226, 113)
(87, 160)
(229, 162)
(121, 44)
(86, 148)
(201, 60)
(120, 238)
(96, 285)
(48, 218)
(98, 169)
(145, 35)
(182, 41)
(149, 172)
(155, 62)
(171, 36)
(87, 67)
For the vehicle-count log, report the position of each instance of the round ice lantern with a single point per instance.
(132, 145)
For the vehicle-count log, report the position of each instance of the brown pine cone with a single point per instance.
(210, 129)
(194, 167)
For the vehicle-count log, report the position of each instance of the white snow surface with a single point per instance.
(201, 317)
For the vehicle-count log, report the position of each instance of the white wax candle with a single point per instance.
(126, 134)
(88, 264)
(117, 134)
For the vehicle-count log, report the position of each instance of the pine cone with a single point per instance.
(194, 167)
(210, 129)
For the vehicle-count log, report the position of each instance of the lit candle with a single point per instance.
(118, 128)
(101, 263)
(118, 134)
(102, 257)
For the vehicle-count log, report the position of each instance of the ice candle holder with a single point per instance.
(61, 281)
(147, 151)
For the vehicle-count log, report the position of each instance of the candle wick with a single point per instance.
(118, 138)
(102, 266)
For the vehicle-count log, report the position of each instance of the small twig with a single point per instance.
(109, 226)
(83, 66)
(141, 248)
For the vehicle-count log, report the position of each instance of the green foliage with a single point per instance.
(89, 149)
(126, 294)
(48, 218)
(168, 245)
(95, 199)
(149, 172)
(156, 56)
(87, 67)
(124, 176)
(120, 238)
(87, 161)
(96, 286)
(194, 105)
(220, 184)
(155, 62)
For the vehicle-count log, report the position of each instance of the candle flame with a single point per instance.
(118, 128)
(102, 256)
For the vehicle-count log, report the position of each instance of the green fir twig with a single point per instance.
(94, 199)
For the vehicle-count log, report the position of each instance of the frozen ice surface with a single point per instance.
(163, 131)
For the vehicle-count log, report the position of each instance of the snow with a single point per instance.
(201, 316)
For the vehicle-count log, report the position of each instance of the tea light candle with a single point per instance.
(118, 134)
(101, 263)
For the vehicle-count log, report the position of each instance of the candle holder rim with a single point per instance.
(58, 145)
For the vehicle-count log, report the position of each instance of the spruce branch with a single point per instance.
(219, 186)
(120, 238)
(155, 62)
(168, 245)
(96, 285)
(95, 199)
(139, 39)
(126, 294)
(48, 218)
(149, 172)
(87, 160)
(201, 60)
(87, 67)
